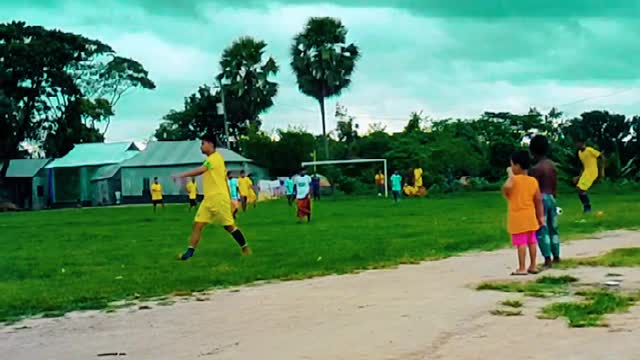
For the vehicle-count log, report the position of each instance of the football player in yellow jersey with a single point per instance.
(216, 205)
(192, 189)
(592, 169)
(156, 194)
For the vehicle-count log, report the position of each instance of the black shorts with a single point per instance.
(193, 202)
(157, 202)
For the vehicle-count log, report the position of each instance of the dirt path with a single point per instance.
(425, 311)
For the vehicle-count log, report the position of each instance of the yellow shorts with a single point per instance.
(585, 182)
(215, 210)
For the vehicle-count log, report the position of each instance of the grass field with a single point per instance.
(57, 261)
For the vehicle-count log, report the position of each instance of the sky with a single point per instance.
(444, 58)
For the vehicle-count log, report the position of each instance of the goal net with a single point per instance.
(355, 161)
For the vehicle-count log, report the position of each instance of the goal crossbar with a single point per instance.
(354, 161)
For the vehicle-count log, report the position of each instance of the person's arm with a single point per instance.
(539, 208)
(508, 185)
(601, 164)
(192, 173)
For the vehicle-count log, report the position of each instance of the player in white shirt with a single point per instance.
(303, 195)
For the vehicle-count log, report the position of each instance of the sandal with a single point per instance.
(516, 273)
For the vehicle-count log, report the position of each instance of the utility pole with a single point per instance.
(224, 113)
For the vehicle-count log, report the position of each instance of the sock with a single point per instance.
(239, 238)
(188, 254)
(586, 203)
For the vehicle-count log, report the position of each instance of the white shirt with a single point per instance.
(302, 186)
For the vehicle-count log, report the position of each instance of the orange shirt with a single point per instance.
(522, 205)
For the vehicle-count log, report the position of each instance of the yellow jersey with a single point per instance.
(244, 184)
(589, 158)
(192, 188)
(214, 180)
(417, 176)
(156, 191)
(379, 179)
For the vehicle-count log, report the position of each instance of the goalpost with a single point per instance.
(356, 161)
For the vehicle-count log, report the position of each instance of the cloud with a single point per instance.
(448, 58)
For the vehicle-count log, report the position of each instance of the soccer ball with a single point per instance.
(559, 210)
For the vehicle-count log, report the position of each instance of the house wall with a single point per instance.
(40, 190)
(103, 191)
(72, 184)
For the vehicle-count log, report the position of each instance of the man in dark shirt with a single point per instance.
(545, 172)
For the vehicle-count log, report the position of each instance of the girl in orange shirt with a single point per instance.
(526, 213)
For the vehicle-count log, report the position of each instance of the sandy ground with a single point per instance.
(425, 311)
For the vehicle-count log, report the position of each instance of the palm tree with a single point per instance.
(245, 83)
(323, 62)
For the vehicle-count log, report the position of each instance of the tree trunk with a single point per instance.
(324, 129)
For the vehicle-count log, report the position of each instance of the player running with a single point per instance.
(216, 205)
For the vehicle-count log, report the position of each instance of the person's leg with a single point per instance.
(196, 235)
(520, 243)
(554, 235)
(155, 204)
(544, 239)
(522, 254)
(533, 253)
(238, 236)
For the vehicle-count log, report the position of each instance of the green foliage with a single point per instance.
(55, 86)
(244, 89)
(541, 287)
(590, 312)
(625, 257)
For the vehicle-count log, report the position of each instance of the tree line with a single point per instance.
(448, 149)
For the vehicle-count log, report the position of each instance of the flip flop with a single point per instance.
(515, 273)
(533, 272)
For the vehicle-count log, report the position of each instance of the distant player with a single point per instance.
(592, 166)
(156, 194)
(303, 195)
(417, 177)
(546, 173)
(234, 192)
(192, 189)
(216, 205)
(245, 185)
(380, 182)
(396, 185)
(288, 190)
(315, 187)
(526, 212)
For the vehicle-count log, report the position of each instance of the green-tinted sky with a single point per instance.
(447, 58)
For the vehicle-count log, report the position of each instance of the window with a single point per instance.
(40, 191)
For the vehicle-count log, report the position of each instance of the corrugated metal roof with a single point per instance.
(106, 172)
(170, 153)
(95, 154)
(25, 168)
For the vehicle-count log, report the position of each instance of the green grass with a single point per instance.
(58, 261)
(506, 312)
(624, 257)
(590, 312)
(542, 287)
(512, 303)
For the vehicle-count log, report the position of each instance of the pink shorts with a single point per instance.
(523, 239)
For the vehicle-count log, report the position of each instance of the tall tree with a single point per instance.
(323, 62)
(35, 79)
(246, 85)
(48, 76)
(104, 80)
